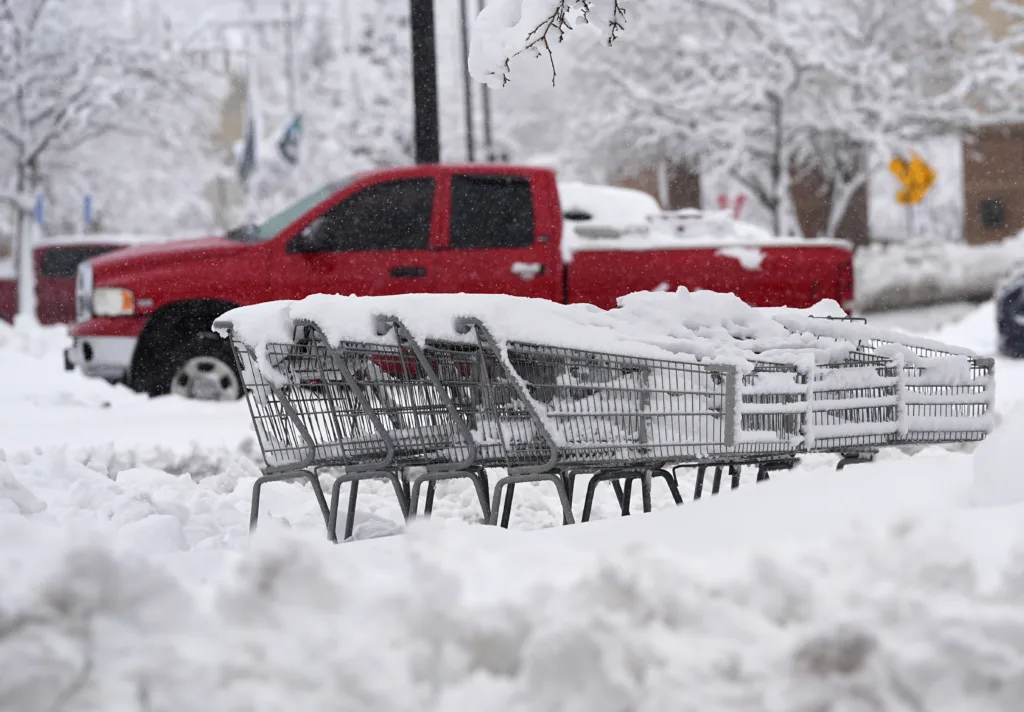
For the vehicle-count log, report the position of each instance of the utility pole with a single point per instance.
(253, 122)
(424, 81)
(467, 83)
(488, 139)
(346, 41)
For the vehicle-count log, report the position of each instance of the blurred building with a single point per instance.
(992, 181)
(994, 165)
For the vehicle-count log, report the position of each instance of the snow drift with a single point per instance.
(902, 614)
(906, 275)
(876, 588)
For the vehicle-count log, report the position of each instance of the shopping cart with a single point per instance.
(948, 396)
(375, 410)
(462, 403)
(618, 418)
(310, 414)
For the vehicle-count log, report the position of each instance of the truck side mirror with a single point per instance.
(309, 240)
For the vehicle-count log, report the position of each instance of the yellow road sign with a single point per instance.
(916, 176)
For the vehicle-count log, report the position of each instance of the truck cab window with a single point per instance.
(275, 225)
(491, 212)
(386, 216)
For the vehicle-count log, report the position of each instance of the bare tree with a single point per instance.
(70, 76)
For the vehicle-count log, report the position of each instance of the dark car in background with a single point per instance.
(56, 261)
(1009, 300)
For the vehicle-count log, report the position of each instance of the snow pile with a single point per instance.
(897, 275)
(31, 372)
(27, 338)
(509, 319)
(724, 318)
(142, 590)
(801, 608)
(700, 326)
(707, 224)
(601, 218)
(998, 470)
(108, 427)
(605, 205)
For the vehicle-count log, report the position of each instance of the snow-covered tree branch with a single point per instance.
(71, 76)
(508, 28)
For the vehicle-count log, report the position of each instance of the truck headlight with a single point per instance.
(113, 301)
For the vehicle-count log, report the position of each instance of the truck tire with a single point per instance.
(202, 368)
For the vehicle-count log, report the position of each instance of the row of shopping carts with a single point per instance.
(415, 412)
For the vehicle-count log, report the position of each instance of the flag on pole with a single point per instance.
(290, 138)
(87, 212)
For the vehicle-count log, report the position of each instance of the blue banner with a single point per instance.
(289, 143)
(87, 212)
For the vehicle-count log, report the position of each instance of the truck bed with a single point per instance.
(793, 273)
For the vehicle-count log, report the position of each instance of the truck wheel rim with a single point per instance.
(205, 378)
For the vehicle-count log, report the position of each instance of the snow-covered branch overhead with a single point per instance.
(507, 28)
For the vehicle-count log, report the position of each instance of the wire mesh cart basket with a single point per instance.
(460, 403)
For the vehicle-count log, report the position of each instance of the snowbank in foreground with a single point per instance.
(895, 276)
(876, 588)
(907, 615)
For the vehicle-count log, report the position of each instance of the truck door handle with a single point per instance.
(527, 270)
(410, 271)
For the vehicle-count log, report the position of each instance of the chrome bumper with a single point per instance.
(106, 357)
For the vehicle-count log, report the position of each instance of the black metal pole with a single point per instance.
(467, 84)
(424, 81)
(488, 143)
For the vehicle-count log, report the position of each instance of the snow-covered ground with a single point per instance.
(130, 582)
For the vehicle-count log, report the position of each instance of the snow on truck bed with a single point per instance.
(600, 218)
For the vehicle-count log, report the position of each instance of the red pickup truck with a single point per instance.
(145, 313)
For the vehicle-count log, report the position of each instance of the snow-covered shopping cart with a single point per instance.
(418, 389)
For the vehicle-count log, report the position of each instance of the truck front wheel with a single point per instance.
(202, 368)
(205, 371)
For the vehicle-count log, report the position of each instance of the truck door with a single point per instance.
(497, 239)
(373, 242)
